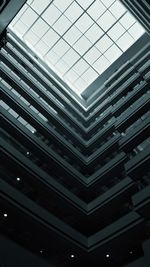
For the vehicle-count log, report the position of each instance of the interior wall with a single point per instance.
(144, 261)
(13, 255)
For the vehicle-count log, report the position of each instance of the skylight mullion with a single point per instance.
(61, 36)
(56, 54)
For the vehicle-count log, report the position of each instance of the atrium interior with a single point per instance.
(75, 145)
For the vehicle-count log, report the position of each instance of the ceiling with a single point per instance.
(78, 40)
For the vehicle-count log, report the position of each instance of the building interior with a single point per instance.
(74, 136)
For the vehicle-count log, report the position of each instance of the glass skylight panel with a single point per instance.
(39, 5)
(80, 83)
(92, 55)
(127, 20)
(94, 33)
(20, 28)
(80, 66)
(96, 10)
(72, 35)
(29, 17)
(104, 43)
(116, 31)
(107, 3)
(51, 58)
(42, 48)
(117, 9)
(62, 5)
(85, 4)
(101, 64)
(61, 47)
(73, 12)
(71, 76)
(90, 74)
(106, 20)
(62, 67)
(84, 22)
(40, 27)
(82, 45)
(61, 25)
(71, 57)
(50, 37)
(113, 53)
(125, 41)
(79, 39)
(136, 31)
(51, 14)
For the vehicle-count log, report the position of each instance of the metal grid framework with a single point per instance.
(78, 39)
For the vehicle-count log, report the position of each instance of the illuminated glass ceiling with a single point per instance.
(78, 39)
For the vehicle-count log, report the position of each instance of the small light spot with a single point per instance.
(18, 179)
(72, 256)
(5, 215)
(107, 255)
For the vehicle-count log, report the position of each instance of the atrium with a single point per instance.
(75, 145)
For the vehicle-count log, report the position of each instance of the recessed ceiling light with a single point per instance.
(107, 255)
(5, 215)
(18, 179)
(72, 256)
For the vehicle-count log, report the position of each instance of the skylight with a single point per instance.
(79, 39)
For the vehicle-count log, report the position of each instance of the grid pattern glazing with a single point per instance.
(78, 39)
